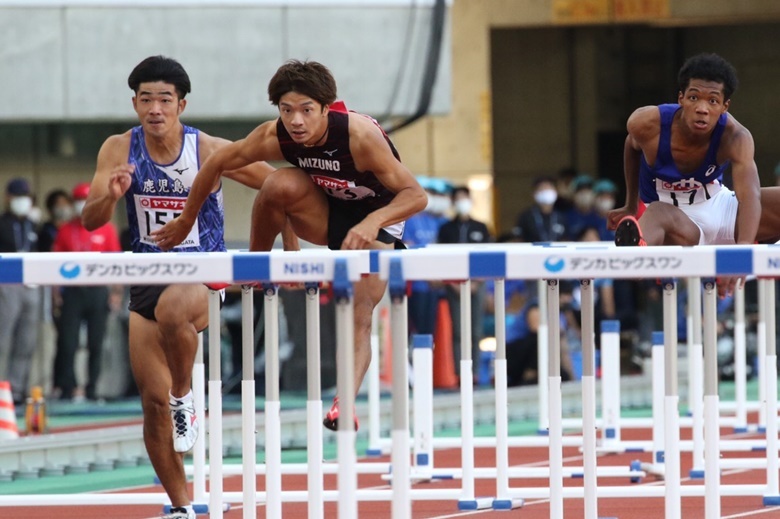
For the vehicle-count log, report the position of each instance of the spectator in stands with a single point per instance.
(542, 222)
(82, 304)
(464, 229)
(19, 304)
(582, 214)
(60, 209)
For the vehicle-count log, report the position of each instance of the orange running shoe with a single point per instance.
(331, 420)
(628, 233)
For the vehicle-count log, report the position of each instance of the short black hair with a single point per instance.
(54, 196)
(709, 67)
(460, 189)
(308, 78)
(160, 68)
(542, 179)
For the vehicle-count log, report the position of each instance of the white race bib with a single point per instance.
(685, 192)
(155, 211)
(343, 189)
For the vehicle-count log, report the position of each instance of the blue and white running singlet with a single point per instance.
(158, 193)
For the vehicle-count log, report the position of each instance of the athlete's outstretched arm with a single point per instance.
(747, 186)
(234, 156)
(113, 176)
(637, 126)
(372, 153)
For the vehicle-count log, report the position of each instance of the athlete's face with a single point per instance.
(158, 107)
(702, 104)
(305, 119)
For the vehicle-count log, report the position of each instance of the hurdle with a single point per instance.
(397, 267)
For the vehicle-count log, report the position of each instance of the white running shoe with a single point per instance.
(185, 425)
(180, 512)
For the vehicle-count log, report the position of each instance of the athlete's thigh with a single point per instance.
(181, 304)
(147, 359)
(769, 224)
(674, 226)
(305, 204)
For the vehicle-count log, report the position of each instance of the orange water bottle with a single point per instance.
(35, 413)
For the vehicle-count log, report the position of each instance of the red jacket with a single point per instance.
(73, 237)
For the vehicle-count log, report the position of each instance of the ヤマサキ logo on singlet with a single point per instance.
(343, 189)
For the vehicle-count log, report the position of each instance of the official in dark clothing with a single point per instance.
(19, 304)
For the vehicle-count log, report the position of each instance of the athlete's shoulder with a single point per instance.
(117, 145)
(644, 122)
(736, 136)
(363, 126)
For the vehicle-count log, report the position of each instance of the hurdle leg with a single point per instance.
(468, 501)
(199, 494)
(248, 440)
(542, 360)
(422, 359)
(273, 441)
(772, 493)
(555, 404)
(374, 400)
(673, 501)
(502, 501)
(589, 398)
(215, 409)
(402, 500)
(761, 353)
(740, 359)
(695, 377)
(711, 404)
(656, 466)
(314, 403)
(610, 386)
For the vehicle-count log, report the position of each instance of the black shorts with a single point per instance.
(144, 298)
(343, 216)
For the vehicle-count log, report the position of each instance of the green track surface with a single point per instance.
(143, 475)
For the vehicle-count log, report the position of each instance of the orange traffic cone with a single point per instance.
(8, 429)
(443, 358)
(386, 346)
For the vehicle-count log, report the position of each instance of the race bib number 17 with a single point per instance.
(155, 211)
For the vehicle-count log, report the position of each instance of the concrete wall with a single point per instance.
(70, 62)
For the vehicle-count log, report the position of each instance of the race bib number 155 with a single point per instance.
(155, 211)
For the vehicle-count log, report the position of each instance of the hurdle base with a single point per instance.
(696, 474)
(740, 429)
(543, 432)
(373, 453)
(771, 500)
(479, 503)
(199, 508)
(654, 469)
(508, 504)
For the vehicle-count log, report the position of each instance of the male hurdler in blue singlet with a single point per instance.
(674, 158)
(348, 189)
(153, 166)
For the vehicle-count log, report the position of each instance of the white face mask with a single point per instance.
(35, 215)
(605, 204)
(584, 199)
(463, 207)
(78, 206)
(63, 213)
(21, 205)
(546, 197)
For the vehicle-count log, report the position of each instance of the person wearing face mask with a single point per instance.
(582, 214)
(77, 304)
(19, 304)
(542, 222)
(464, 229)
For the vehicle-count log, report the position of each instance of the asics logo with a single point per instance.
(711, 170)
